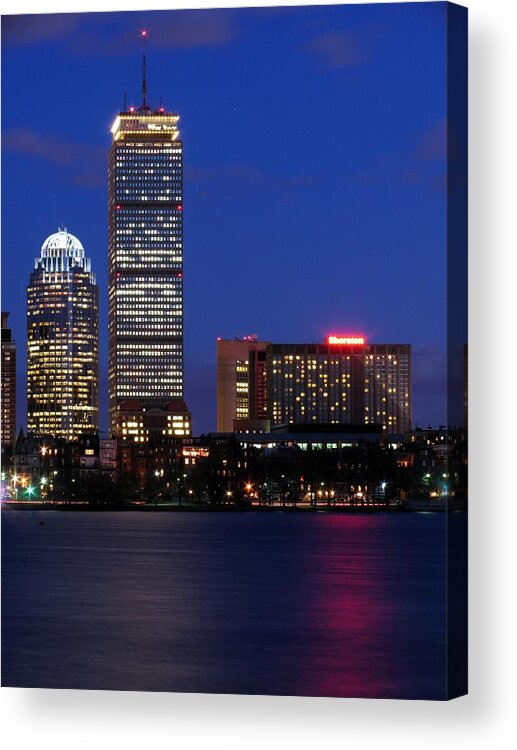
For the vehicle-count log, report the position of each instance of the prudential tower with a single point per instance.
(145, 202)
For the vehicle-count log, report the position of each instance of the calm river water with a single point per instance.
(261, 603)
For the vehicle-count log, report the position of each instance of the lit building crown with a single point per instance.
(61, 252)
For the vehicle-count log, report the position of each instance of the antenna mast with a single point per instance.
(143, 34)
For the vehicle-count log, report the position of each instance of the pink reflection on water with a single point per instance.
(355, 647)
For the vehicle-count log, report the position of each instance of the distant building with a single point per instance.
(145, 264)
(343, 380)
(315, 383)
(387, 386)
(108, 458)
(8, 385)
(62, 340)
(241, 381)
(89, 455)
(135, 423)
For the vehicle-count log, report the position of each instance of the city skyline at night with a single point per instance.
(263, 227)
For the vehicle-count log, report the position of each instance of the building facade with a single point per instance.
(343, 380)
(387, 386)
(241, 381)
(315, 383)
(62, 341)
(8, 384)
(145, 203)
(135, 423)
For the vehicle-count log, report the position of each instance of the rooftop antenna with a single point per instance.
(125, 102)
(143, 34)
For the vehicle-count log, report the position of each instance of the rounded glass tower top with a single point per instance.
(61, 252)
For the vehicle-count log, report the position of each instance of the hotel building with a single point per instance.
(315, 383)
(8, 384)
(387, 386)
(62, 340)
(241, 381)
(341, 381)
(145, 203)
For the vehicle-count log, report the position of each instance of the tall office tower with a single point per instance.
(62, 340)
(241, 381)
(8, 384)
(387, 386)
(145, 201)
(316, 382)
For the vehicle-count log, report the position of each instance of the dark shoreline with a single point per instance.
(210, 509)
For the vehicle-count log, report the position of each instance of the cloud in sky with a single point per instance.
(88, 33)
(339, 49)
(80, 163)
(31, 29)
(432, 145)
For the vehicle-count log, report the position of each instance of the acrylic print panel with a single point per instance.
(234, 365)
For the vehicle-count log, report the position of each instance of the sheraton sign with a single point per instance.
(357, 340)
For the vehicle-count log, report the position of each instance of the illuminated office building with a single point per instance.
(241, 381)
(145, 200)
(8, 384)
(62, 340)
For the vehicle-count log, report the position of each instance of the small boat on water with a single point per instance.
(435, 504)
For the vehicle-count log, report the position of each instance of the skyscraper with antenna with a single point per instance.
(145, 203)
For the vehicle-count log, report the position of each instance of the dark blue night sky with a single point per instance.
(315, 163)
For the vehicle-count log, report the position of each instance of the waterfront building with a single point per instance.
(241, 381)
(316, 382)
(136, 423)
(62, 340)
(108, 458)
(8, 393)
(145, 205)
(387, 386)
(89, 455)
(342, 380)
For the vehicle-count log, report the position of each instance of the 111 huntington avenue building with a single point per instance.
(145, 203)
(343, 380)
(62, 340)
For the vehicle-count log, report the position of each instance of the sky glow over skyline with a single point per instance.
(315, 162)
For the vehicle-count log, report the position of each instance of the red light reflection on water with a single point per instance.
(351, 610)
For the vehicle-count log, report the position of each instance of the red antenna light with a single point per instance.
(144, 32)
